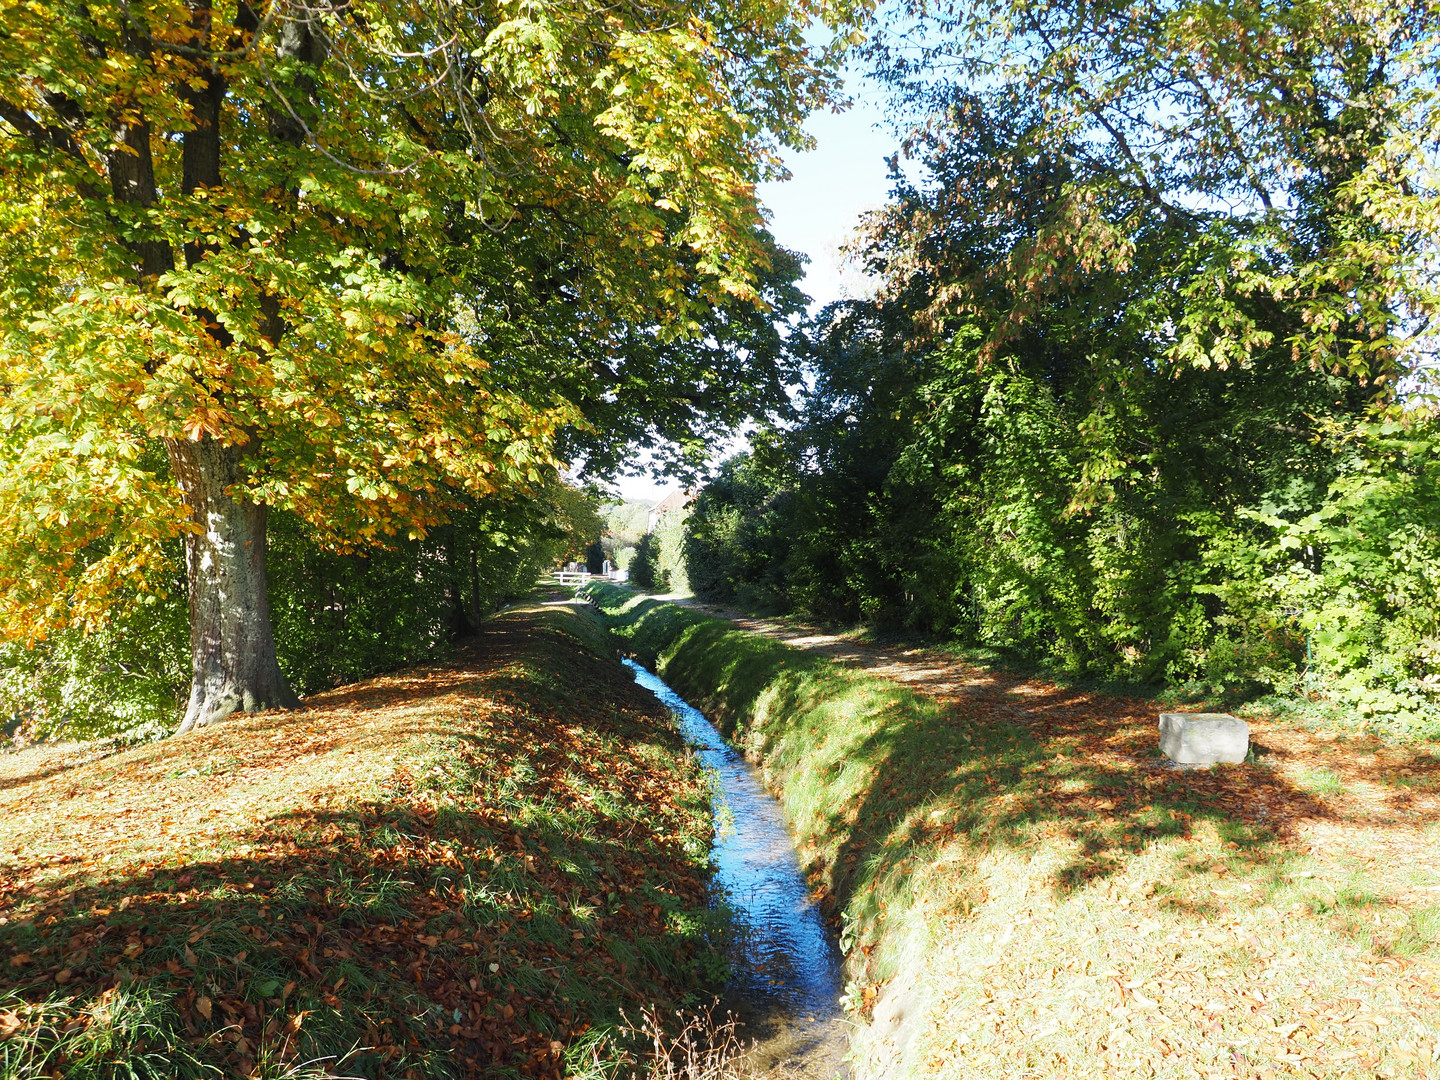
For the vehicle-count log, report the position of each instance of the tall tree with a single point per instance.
(236, 240)
(1288, 146)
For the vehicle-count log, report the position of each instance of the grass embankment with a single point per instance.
(458, 870)
(1024, 890)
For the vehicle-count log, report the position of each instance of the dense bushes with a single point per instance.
(1310, 565)
(337, 617)
(1249, 530)
(1118, 422)
(1323, 578)
(736, 539)
(659, 562)
(645, 563)
(1157, 415)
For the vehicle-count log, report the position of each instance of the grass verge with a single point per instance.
(461, 870)
(1023, 889)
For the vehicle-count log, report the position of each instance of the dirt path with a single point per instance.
(926, 671)
(1345, 796)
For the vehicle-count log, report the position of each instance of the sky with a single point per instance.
(815, 210)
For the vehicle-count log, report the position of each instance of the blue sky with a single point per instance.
(815, 210)
(830, 187)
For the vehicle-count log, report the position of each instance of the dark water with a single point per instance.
(787, 985)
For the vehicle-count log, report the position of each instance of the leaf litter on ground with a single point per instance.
(466, 869)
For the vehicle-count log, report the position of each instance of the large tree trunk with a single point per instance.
(232, 647)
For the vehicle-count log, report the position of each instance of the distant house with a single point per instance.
(676, 500)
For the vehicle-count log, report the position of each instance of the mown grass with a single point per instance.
(1024, 889)
(463, 870)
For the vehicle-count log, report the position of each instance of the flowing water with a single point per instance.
(787, 985)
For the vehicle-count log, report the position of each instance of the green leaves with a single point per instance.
(404, 259)
(1264, 139)
(1126, 402)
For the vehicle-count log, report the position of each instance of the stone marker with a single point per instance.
(1203, 738)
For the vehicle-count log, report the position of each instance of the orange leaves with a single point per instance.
(215, 423)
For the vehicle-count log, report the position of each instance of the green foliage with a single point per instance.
(134, 1033)
(1195, 527)
(1286, 148)
(734, 539)
(626, 522)
(1359, 576)
(595, 557)
(130, 675)
(670, 575)
(1124, 402)
(644, 564)
(365, 271)
(659, 563)
(337, 618)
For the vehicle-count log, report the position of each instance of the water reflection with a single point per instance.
(787, 985)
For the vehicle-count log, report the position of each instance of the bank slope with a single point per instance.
(460, 870)
(1024, 890)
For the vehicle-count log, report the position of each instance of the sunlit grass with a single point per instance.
(1321, 782)
(1024, 890)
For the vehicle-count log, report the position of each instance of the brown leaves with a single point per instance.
(195, 913)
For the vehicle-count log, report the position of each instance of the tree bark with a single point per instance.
(232, 645)
(460, 625)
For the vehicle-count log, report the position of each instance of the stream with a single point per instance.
(787, 984)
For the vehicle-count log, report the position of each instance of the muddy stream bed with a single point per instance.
(787, 983)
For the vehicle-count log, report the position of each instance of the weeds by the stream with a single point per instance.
(463, 870)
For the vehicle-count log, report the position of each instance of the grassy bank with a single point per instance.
(1024, 890)
(459, 870)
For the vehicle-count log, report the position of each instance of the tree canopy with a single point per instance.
(1146, 388)
(359, 260)
(1287, 147)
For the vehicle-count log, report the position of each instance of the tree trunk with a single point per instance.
(460, 625)
(232, 646)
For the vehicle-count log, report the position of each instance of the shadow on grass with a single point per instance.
(540, 866)
(377, 946)
(21, 779)
(881, 775)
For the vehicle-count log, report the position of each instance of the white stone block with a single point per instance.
(1204, 738)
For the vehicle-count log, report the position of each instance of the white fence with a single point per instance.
(582, 577)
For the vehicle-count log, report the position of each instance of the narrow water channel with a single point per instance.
(787, 984)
